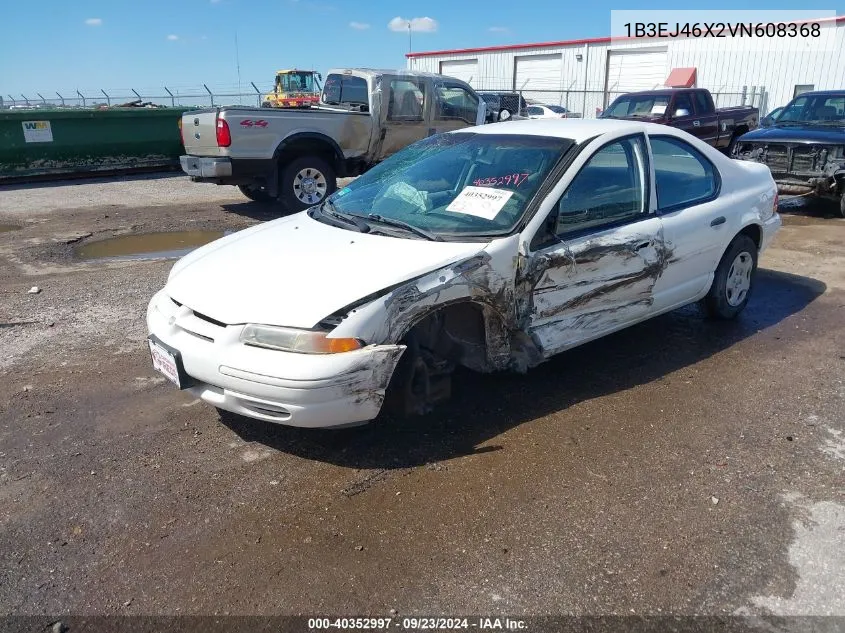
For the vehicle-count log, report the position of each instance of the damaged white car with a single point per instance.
(494, 248)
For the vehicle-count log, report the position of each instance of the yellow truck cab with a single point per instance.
(294, 89)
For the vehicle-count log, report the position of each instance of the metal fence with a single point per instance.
(202, 95)
(590, 103)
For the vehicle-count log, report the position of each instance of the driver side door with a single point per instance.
(596, 272)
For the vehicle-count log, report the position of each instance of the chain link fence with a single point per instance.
(249, 94)
(587, 103)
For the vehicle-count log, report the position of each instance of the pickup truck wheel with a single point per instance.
(305, 182)
(255, 193)
(733, 281)
(842, 205)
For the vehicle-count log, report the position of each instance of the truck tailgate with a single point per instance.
(199, 132)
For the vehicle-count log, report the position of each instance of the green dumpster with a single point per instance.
(41, 142)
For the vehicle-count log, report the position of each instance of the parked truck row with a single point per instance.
(362, 116)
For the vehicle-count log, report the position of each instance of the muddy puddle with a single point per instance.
(8, 227)
(147, 246)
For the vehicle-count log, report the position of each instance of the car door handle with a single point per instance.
(642, 245)
(696, 123)
(718, 221)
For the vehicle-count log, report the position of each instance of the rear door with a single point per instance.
(404, 121)
(696, 225)
(600, 267)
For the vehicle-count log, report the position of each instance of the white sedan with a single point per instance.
(539, 111)
(492, 247)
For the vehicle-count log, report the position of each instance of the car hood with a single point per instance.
(795, 134)
(296, 271)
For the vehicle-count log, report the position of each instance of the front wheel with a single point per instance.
(306, 182)
(733, 281)
(842, 205)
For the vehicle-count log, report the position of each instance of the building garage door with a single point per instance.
(464, 69)
(635, 69)
(537, 72)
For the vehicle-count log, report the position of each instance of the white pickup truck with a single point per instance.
(295, 156)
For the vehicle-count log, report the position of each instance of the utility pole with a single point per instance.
(409, 37)
(238, 65)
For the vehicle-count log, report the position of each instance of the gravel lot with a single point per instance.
(682, 466)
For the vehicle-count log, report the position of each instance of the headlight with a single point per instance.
(299, 341)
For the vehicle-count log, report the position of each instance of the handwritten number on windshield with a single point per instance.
(499, 181)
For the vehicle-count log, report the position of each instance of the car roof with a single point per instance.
(579, 130)
(821, 93)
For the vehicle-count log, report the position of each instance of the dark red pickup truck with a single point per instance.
(690, 109)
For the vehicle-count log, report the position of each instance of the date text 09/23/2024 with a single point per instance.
(721, 29)
(418, 623)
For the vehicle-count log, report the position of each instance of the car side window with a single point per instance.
(683, 176)
(702, 106)
(456, 102)
(535, 110)
(682, 102)
(407, 101)
(610, 188)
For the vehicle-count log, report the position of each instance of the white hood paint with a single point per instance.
(296, 271)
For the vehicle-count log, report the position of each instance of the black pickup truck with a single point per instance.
(689, 109)
(804, 147)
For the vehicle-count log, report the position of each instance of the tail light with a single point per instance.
(224, 136)
(181, 133)
(775, 203)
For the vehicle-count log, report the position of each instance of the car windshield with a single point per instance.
(825, 109)
(459, 184)
(637, 106)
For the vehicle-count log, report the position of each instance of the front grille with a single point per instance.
(209, 319)
(777, 157)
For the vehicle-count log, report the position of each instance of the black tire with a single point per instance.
(255, 194)
(293, 194)
(725, 299)
(842, 205)
(266, 104)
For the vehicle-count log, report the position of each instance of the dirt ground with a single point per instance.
(682, 466)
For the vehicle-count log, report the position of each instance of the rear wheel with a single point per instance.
(257, 194)
(733, 281)
(842, 205)
(306, 182)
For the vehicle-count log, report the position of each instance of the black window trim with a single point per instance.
(690, 203)
(544, 238)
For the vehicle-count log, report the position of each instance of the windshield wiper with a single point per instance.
(375, 217)
(328, 208)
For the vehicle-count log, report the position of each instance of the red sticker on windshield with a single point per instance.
(501, 181)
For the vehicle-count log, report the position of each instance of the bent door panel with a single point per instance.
(596, 284)
(598, 270)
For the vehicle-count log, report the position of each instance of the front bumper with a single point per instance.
(204, 167)
(305, 390)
